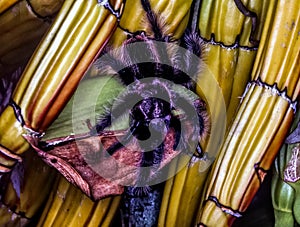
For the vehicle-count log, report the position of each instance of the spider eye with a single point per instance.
(149, 109)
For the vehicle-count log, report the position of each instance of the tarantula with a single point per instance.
(152, 102)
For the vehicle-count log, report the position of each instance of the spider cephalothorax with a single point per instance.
(154, 99)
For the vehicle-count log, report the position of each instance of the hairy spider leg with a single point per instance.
(198, 130)
(121, 62)
(192, 42)
(116, 62)
(172, 56)
(120, 108)
(187, 64)
(151, 159)
(155, 26)
(157, 53)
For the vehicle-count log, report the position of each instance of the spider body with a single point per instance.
(146, 112)
(151, 99)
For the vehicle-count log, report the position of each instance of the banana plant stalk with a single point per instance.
(68, 206)
(30, 183)
(80, 31)
(4, 5)
(22, 26)
(263, 120)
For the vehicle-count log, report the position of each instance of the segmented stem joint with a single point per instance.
(109, 7)
(274, 90)
(225, 209)
(233, 46)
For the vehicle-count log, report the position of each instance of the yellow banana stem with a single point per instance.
(5, 4)
(68, 206)
(174, 15)
(181, 194)
(45, 9)
(8, 218)
(262, 121)
(280, 51)
(229, 53)
(21, 29)
(231, 25)
(79, 32)
(27, 190)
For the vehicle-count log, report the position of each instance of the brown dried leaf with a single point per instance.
(82, 161)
